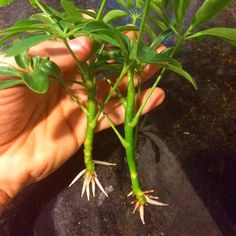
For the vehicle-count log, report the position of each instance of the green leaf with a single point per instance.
(181, 72)
(24, 44)
(107, 33)
(35, 62)
(41, 17)
(36, 81)
(3, 3)
(20, 27)
(7, 70)
(9, 83)
(22, 60)
(180, 8)
(94, 26)
(50, 68)
(161, 37)
(114, 15)
(208, 10)
(228, 34)
(147, 55)
(33, 3)
(71, 9)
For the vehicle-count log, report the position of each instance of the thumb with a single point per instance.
(57, 51)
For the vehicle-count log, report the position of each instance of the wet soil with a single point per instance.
(187, 152)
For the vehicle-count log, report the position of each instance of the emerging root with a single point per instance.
(90, 178)
(149, 200)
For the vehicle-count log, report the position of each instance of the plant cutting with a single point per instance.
(114, 53)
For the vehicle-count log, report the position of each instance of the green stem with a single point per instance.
(91, 125)
(82, 107)
(122, 140)
(143, 22)
(113, 89)
(130, 138)
(163, 70)
(42, 8)
(82, 66)
(99, 15)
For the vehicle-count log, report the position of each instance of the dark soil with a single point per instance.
(187, 152)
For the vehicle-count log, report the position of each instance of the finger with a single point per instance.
(57, 51)
(103, 87)
(115, 110)
(4, 200)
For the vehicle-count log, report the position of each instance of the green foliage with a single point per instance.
(22, 60)
(3, 3)
(7, 70)
(36, 81)
(180, 7)
(227, 34)
(208, 10)
(114, 15)
(10, 83)
(24, 44)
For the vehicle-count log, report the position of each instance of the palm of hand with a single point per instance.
(38, 133)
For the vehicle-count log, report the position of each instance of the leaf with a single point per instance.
(228, 34)
(107, 33)
(94, 26)
(3, 3)
(114, 15)
(33, 3)
(208, 10)
(22, 60)
(180, 8)
(71, 9)
(41, 17)
(161, 37)
(36, 81)
(147, 55)
(7, 70)
(35, 62)
(20, 27)
(124, 28)
(181, 72)
(50, 68)
(9, 83)
(24, 44)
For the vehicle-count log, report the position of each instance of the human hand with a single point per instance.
(38, 133)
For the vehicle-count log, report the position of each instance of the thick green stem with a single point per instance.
(130, 138)
(91, 125)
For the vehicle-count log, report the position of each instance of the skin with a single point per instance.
(39, 133)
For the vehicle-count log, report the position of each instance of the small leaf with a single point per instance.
(3, 3)
(71, 9)
(22, 60)
(180, 8)
(35, 62)
(161, 37)
(37, 81)
(10, 83)
(147, 55)
(20, 27)
(7, 70)
(208, 10)
(41, 17)
(114, 15)
(228, 34)
(94, 26)
(24, 44)
(181, 72)
(50, 68)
